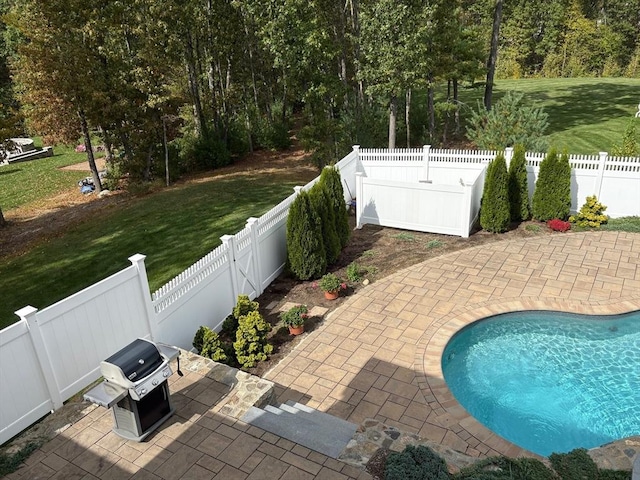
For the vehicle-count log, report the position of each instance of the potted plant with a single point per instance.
(331, 285)
(294, 319)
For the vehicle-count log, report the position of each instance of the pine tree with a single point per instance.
(552, 196)
(494, 210)
(518, 186)
(331, 182)
(251, 344)
(321, 204)
(305, 248)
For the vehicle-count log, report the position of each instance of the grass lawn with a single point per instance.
(586, 115)
(173, 228)
(27, 182)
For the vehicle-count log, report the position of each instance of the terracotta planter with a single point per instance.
(332, 295)
(296, 330)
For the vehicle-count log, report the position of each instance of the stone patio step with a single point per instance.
(310, 428)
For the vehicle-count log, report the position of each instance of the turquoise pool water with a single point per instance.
(549, 381)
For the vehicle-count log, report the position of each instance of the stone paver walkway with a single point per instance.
(377, 356)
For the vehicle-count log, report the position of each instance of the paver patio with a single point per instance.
(377, 356)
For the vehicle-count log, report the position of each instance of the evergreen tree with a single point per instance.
(321, 204)
(494, 210)
(552, 196)
(251, 344)
(331, 182)
(305, 249)
(518, 185)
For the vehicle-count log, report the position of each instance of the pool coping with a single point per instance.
(431, 346)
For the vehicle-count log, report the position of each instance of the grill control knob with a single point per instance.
(155, 382)
(165, 373)
(143, 391)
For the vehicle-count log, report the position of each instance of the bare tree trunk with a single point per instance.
(407, 117)
(89, 148)
(431, 110)
(493, 55)
(457, 110)
(393, 117)
(194, 88)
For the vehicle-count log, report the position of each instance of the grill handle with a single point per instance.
(170, 352)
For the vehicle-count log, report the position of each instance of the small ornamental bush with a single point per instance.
(208, 344)
(558, 225)
(590, 214)
(331, 182)
(243, 306)
(295, 316)
(494, 209)
(519, 186)
(354, 272)
(251, 344)
(416, 463)
(575, 465)
(322, 205)
(504, 468)
(552, 196)
(306, 253)
(331, 283)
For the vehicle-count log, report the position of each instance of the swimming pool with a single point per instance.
(549, 381)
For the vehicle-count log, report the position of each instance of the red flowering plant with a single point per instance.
(558, 225)
(331, 283)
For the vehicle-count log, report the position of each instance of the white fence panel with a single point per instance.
(272, 241)
(202, 295)
(24, 396)
(84, 329)
(413, 206)
(348, 167)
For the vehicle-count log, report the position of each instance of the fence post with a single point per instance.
(29, 315)
(359, 199)
(508, 155)
(252, 225)
(426, 150)
(229, 241)
(137, 261)
(601, 165)
(356, 150)
(466, 210)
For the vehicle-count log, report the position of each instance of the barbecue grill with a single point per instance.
(135, 387)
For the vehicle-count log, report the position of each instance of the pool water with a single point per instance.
(549, 381)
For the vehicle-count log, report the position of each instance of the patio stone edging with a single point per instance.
(246, 390)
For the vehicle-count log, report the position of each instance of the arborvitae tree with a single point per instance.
(552, 196)
(494, 210)
(251, 344)
(331, 181)
(321, 204)
(518, 186)
(305, 247)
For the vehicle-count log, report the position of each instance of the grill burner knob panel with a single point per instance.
(155, 382)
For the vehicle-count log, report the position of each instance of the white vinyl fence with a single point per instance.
(51, 354)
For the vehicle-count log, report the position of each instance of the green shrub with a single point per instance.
(416, 463)
(508, 123)
(630, 146)
(519, 186)
(332, 183)
(552, 196)
(354, 272)
(251, 344)
(295, 316)
(575, 465)
(244, 306)
(504, 468)
(435, 243)
(200, 153)
(321, 204)
(590, 214)
(306, 254)
(208, 344)
(494, 208)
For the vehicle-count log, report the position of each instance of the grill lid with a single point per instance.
(137, 360)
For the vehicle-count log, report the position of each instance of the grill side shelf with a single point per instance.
(106, 394)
